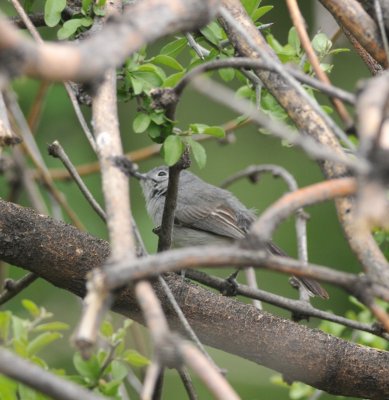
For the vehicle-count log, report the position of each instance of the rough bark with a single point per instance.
(63, 255)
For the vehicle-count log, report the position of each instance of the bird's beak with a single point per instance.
(140, 176)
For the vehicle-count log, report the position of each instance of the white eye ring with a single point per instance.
(162, 173)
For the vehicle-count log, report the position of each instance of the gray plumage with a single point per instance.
(205, 214)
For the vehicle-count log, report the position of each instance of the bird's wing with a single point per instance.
(218, 219)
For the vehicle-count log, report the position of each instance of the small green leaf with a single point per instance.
(293, 40)
(213, 32)
(85, 5)
(172, 80)
(8, 388)
(53, 10)
(141, 122)
(118, 370)
(198, 128)
(250, 5)
(87, 368)
(321, 43)
(216, 131)
(199, 153)
(106, 329)
(52, 326)
(19, 328)
(137, 85)
(163, 59)
(154, 131)
(172, 49)
(31, 307)
(172, 148)
(158, 118)
(136, 359)
(260, 12)
(111, 388)
(5, 323)
(227, 74)
(70, 27)
(42, 341)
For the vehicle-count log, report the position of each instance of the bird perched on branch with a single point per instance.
(205, 214)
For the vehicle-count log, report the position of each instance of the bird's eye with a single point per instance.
(162, 173)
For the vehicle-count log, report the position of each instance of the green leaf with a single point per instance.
(245, 91)
(213, 32)
(31, 307)
(141, 122)
(70, 27)
(198, 128)
(216, 131)
(8, 388)
(154, 132)
(136, 359)
(88, 368)
(260, 12)
(19, 328)
(299, 390)
(199, 153)
(172, 80)
(41, 341)
(118, 370)
(5, 323)
(27, 393)
(110, 388)
(52, 326)
(137, 85)
(107, 329)
(293, 40)
(174, 48)
(158, 118)
(250, 6)
(172, 149)
(321, 43)
(53, 10)
(227, 74)
(85, 5)
(163, 59)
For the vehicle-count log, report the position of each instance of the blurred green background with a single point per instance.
(327, 245)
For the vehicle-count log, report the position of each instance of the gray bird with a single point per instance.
(205, 214)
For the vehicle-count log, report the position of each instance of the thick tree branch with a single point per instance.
(63, 255)
(140, 24)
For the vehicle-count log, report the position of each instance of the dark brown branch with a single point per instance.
(304, 354)
(351, 15)
(12, 288)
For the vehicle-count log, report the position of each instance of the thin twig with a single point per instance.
(229, 19)
(244, 62)
(188, 384)
(13, 288)
(35, 34)
(56, 150)
(37, 159)
(314, 149)
(184, 322)
(295, 306)
(150, 381)
(44, 381)
(208, 373)
(298, 23)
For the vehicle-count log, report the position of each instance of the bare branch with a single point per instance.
(237, 328)
(140, 24)
(47, 383)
